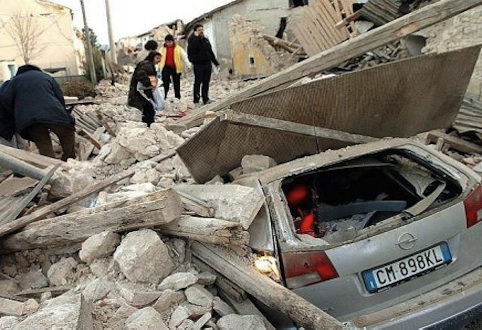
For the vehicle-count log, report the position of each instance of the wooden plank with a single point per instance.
(14, 186)
(319, 31)
(151, 210)
(337, 6)
(455, 142)
(231, 289)
(89, 137)
(330, 17)
(37, 160)
(209, 230)
(233, 294)
(17, 208)
(37, 293)
(347, 6)
(105, 123)
(403, 26)
(5, 203)
(5, 175)
(87, 191)
(270, 293)
(311, 28)
(300, 32)
(196, 205)
(246, 307)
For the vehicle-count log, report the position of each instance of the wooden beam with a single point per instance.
(37, 293)
(17, 208)
(88, 137)
(196, 205)
(87, 191)
(403, 26)
(30, 157)
(150, 210)
(209, 230)
(270, 293)
(454, 142)
(105, 123)
(295, 128)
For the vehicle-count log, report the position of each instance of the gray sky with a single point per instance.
(133, 17)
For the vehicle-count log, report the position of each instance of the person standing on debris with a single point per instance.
(144, 73)
(201, 55)
(171, 66)
(38, 107)
(150, 46)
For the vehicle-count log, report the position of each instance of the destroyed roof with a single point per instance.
(398, 99)
(383, 11)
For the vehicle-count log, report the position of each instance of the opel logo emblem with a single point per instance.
(406, 241)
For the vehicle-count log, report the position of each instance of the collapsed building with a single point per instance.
(146, 229)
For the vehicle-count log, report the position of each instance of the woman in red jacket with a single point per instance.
(171, 66)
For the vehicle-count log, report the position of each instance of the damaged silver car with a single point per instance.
(378, 235)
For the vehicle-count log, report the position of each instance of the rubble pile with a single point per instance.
(138, 280)
(254, 38)
(113, 278)
(119, 238)
(394, 51)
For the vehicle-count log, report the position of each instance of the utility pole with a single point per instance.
(90, 56)
(111, 35)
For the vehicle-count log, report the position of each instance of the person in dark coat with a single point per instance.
(201, 55)
(143, 73)
(150, 46)
(7, 122)
(38, 106)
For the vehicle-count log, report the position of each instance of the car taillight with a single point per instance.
(473, 207)
(305, 268)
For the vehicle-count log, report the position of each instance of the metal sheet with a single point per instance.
(398, 99)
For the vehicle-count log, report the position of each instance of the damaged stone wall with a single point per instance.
(253, 56)
(461, 31)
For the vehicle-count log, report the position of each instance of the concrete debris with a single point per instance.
(62, 272)
(230, 202)
(178, 281)
(143, 257)
(247, 36)
(99, 246)
(199, 296)
(137, 298)
(256, 163)
(146, 318)
(69, 311)
(17, 308)
(234, 321)
(98, 289)
(34, 279)
(168, 299)
(9, 287)
(9, 322)
(120, 269)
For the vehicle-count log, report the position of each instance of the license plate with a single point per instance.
(406, 268)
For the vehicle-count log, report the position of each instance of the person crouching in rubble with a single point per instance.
(146, 74)
(7, 122)
(38, 107)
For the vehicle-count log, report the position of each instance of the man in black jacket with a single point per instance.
(200, 54)
(38, 107)
(7, 122)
